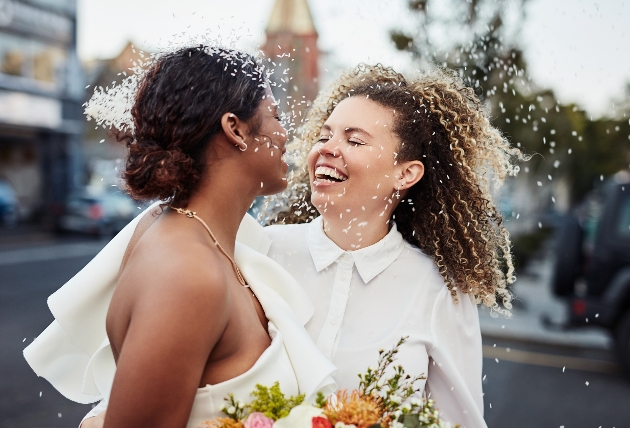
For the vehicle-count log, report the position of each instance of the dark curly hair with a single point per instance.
(177, 109)
(449, 213)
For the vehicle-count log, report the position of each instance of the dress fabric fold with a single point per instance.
(74, 354)
(64, 353)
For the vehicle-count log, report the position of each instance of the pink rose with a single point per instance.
(258, 420)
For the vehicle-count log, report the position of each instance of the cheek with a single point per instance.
(364, 163)
(262, 157)
(377, 179)
(279, 133)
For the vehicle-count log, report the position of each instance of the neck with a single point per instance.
(355, 233)
(222, 203)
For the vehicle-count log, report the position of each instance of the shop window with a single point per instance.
(13, 63)
(42, 63)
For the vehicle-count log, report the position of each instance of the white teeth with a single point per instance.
(330, 172)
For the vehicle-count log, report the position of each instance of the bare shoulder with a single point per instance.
(174, 267)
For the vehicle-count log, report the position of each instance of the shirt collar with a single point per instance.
(370, 261)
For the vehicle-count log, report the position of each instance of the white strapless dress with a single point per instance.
(74, 354)
(274, 365)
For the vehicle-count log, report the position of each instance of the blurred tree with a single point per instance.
(472, 37)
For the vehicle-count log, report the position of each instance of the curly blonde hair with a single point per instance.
(449, 213)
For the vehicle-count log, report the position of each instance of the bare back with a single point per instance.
(179, 320)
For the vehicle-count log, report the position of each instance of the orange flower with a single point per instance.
(360, 410)
(223, 423)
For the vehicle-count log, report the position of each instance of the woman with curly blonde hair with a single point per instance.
(401, 172)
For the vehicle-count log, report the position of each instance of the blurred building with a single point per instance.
(41, 92)
(291, 45)
(101, 151)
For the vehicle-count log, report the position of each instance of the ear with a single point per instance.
(235, 130)
(410, 173)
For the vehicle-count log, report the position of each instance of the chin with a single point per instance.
(319, 202)
(272, 189)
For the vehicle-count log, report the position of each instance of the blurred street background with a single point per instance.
(555, 77)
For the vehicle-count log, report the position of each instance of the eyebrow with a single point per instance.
(349, 130)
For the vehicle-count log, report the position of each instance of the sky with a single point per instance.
(578, 48)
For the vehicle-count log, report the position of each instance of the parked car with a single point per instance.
(8, 204)
(592, 267)
(102, 215)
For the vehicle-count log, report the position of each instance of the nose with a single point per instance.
(328, 148)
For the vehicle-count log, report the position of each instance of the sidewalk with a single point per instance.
(534, 298)
(33, 243)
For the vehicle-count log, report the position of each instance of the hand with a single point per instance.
(94, 422)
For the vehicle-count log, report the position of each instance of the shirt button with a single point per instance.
(333, 321)
(346, 258)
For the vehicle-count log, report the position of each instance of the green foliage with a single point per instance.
(272, 402)
(401, 40)
(565, 142)
(393, 390)
(396, 393)
(426, 417)
(320, 401)
(233, 408)
(526, 245)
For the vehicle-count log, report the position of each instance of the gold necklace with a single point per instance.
(193, 214)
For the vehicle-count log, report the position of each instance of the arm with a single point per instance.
(455, 365)
(178, 313)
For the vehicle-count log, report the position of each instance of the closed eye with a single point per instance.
(323, 139)
(356, 142)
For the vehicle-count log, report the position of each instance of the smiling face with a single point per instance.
(266, 148)
(353, 169)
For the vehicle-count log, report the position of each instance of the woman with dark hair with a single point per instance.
(192, 317)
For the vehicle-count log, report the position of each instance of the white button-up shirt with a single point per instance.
(366, 300)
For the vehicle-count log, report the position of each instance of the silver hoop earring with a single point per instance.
(245, 144)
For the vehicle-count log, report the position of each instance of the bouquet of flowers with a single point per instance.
(379, 402)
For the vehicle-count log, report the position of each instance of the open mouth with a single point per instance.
(325, 173)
